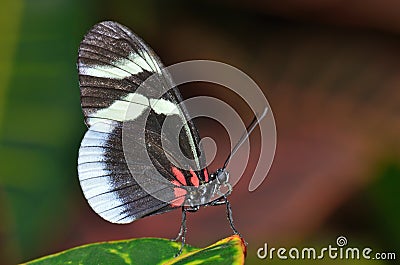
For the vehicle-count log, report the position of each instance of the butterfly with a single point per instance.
(125, 170)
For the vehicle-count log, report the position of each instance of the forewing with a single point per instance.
(113, 63)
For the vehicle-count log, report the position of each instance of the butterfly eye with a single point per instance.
(222, 176)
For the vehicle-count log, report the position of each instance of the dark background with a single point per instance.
(330, 70)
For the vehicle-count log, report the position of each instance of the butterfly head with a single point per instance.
(223, 187)
(221, 176)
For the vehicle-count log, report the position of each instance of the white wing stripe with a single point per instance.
(120, 69)
(94, 140)
(91, 150)
(93, 174)
(105, 126)
(117, 215)
(123, 110)
(87, 167)
(150, 62)
(140, 61)
(162, 106)
(129, 66)
(93, 187)
(104, 202)
(87, 158)
(103, 71)
(118, 111)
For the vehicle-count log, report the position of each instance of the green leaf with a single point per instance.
(230, 250)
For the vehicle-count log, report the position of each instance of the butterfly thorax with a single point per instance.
(217, 188)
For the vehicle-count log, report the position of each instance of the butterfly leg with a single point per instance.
(182, 231)
(228, 214)
(230, 218)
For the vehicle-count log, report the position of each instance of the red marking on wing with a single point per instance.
(179, 176)
(205, 175)
(177, 202)
(179, 192)
(176, 183)
(194, 179)
(180, 197)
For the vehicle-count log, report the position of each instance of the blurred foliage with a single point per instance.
(40, 116)
(384, 199)
(371, 217)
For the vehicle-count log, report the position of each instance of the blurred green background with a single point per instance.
(331, 72)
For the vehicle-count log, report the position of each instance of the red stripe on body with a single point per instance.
(205, 175)
(194, 179)
(179, 176)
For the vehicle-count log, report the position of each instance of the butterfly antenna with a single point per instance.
(256, 120)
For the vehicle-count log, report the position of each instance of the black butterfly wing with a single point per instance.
(113, 63)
